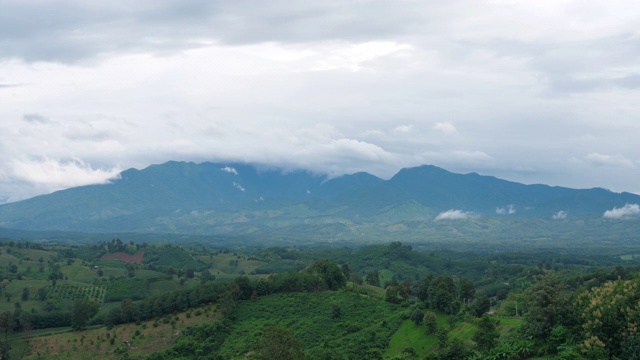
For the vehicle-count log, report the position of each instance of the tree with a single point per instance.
(466, 290)
(6, 323)
(443, 337)
(443, 293)
(547, 304)
(486, 336)
(481, 306)
(277, 343)
(416, 316)
(422, 288)
(431, 322)
(336, 311)
(5, 349)
(372, 278)
(356, 279)
(189, 273)
(82, 311)
(205, 276)
(25, 294)
(609, 315)
(42, 294)
(346, 271)
(330, 273)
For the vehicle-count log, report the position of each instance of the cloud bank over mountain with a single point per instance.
(334, 87)
(625, 212)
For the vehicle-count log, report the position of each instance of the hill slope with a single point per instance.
(214, 198)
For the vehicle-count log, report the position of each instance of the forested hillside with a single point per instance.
(120, 299)
(254, 201)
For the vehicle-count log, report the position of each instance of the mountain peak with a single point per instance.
(207, 197)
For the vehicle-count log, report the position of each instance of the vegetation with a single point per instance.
(379, 301)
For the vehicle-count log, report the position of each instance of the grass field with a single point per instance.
(102, 343)
(364, 323)
(411, 336)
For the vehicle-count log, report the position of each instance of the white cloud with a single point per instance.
(454, 215)
(625, 212)
(53, 174)
(230, 170)
(221, 81)
(403, 129)
(354, 57)
(506, 210)
(559, 215)
(609, 160)
(446, 127)
(238, 186)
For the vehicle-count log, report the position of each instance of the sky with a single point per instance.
(531, 91)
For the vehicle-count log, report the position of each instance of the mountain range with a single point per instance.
(234, 198)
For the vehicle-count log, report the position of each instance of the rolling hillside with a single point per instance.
(214, 198)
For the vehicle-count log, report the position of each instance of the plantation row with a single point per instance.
(77, 292)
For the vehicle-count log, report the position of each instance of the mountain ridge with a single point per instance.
(219, 198)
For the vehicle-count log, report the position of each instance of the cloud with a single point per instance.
(559, 215)
(508, 210)
(35, 118)
(454, 215)
(609, 160)
(403, 129)
(445, 127)
(230, 170)
(238, 186)
(625, 212)
(53, 174)
(128, 84)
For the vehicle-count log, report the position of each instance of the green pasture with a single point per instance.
(360, 325)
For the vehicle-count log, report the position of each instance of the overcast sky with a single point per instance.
(530, 91)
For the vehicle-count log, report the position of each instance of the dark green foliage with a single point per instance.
(169, 303)
(431, 322)
(609, 316)
(442, 294)
(135, 289)
(548, 304)
(443, 337)
(336, 311)
(82, 311)
(422, 288)
(481, 306)
(7, 323)
(278, 266)
(372, 278)
(330, 273)
(364, 323)
(49, 320)
(417, 316)
(42, 294)
(165, 257)
(486, 336)
(5, 350)
(277, 342)
(466, 289)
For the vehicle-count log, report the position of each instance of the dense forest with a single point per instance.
(126, 300)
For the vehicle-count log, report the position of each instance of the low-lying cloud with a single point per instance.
(625, 212)
(559, 215)
(506, 210)
(53, 174)
(454, 215)
(230, 170)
